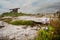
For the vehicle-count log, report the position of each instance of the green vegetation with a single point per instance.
(8, 20)
(44, 34)
(14, 14)
(18, 22)
(21, 22)
(53, 32)
(56, 25)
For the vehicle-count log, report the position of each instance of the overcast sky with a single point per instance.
(30, 6)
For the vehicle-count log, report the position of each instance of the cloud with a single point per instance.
(29, 6)
(50, 8)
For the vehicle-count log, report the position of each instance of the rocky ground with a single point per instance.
(13, 32)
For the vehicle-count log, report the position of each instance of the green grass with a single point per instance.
(8, 20)
(21, 22)
(18, 22)
(44, 34)
(14, 14)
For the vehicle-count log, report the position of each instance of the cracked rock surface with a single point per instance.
(13, 32)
